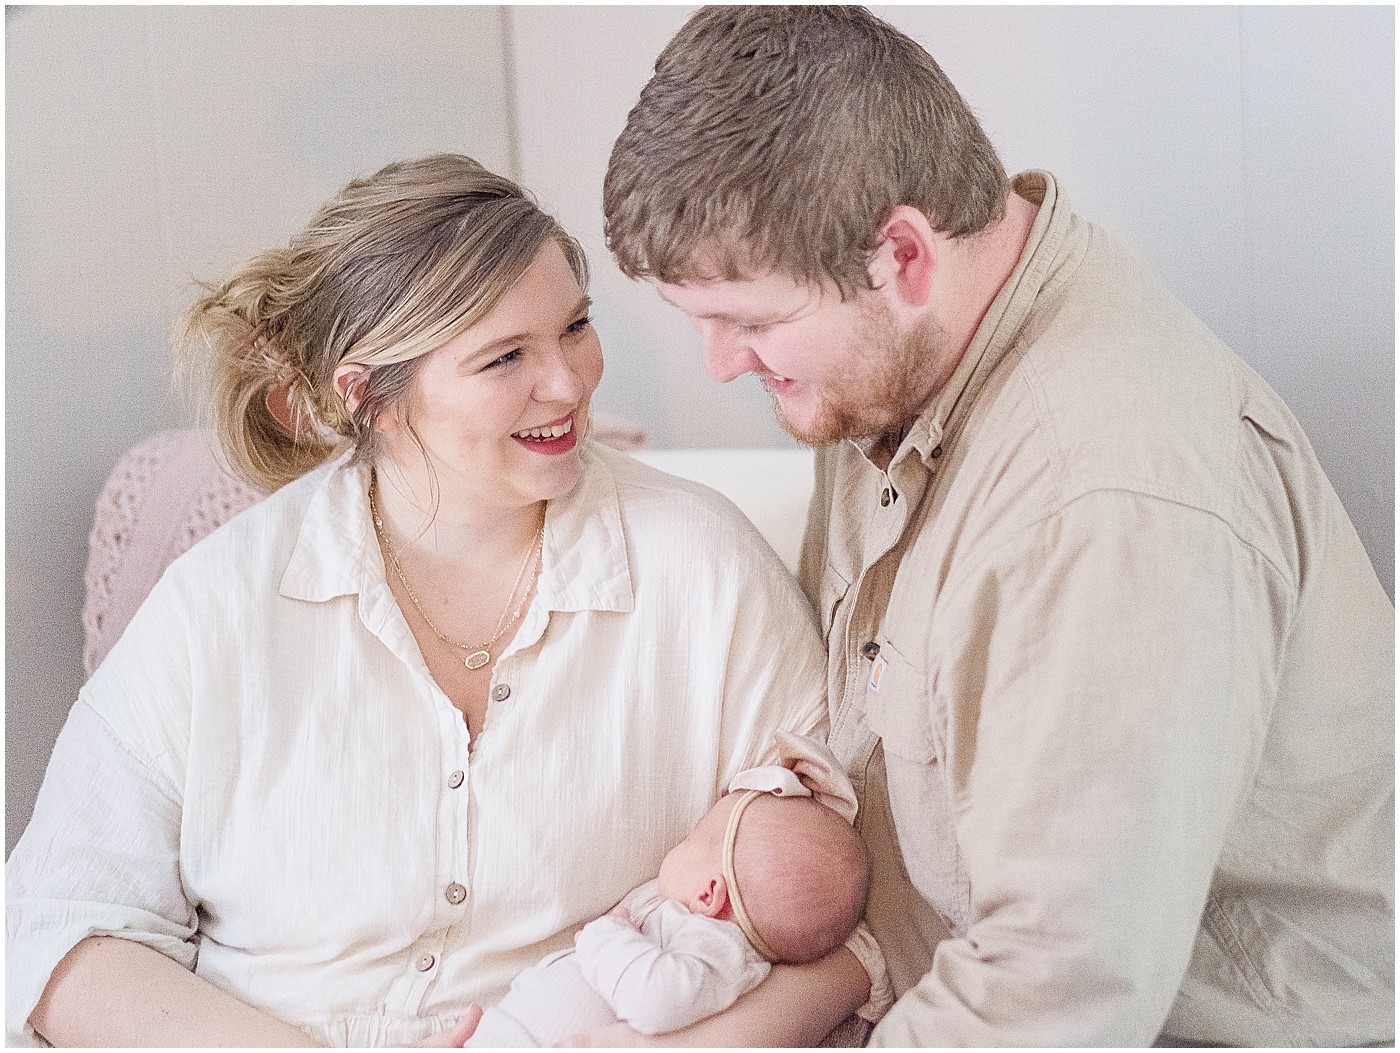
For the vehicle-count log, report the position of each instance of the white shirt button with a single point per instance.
(455, 779)
(424, 962)
(500, 692)
(455, 893)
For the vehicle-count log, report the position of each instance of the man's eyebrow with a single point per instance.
(667, 299)
(708, 316)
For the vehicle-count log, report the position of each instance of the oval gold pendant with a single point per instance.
(476, 659)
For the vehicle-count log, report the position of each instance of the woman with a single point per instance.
(455, 688)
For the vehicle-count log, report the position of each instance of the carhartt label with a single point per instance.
(877, 670)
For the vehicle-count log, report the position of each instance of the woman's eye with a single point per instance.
(506, 359)
(755, 328)
(580, 325)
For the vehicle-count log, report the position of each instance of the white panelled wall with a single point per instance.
(1245, 153)
(147, 147)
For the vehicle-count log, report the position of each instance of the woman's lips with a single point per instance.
(556, 437)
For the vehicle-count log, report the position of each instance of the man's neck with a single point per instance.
(973, 271)
(985, 263)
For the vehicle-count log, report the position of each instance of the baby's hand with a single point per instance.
(621, 913)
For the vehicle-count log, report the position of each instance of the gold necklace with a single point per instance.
(479, 655)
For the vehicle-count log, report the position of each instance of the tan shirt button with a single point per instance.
(424, 963)
(455, 893)
(500, 692)
(455, 779)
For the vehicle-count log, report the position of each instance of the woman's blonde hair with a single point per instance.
(392, 267)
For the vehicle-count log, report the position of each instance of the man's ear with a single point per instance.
(349, 382)
(906, 257)
(713, 900)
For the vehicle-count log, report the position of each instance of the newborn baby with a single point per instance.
(770, 874)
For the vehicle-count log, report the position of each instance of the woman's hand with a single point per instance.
(456, 1036)
(797, 1006)
(615, 1036)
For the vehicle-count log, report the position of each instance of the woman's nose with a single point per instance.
(559, 382)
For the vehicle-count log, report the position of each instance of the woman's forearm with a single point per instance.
(114, 992)
(797, 1005)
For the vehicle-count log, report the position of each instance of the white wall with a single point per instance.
(578, 70)
(147, 145)
(1245, 153)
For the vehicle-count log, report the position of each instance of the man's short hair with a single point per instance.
(782, 138)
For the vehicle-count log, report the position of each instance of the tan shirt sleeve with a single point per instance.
(1099, 696)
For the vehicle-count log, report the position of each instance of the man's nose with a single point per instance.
(727, 354)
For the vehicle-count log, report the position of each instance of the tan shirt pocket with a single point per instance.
(899, 709)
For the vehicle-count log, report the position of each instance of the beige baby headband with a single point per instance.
(805, 768)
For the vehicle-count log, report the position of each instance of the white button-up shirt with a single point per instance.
(264, 782)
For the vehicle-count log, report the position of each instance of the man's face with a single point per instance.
(835, 369)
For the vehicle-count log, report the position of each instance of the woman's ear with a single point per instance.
(906, 257)
(713, 899)
(349, 382)
(278, 401)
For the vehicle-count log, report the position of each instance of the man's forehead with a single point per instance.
(723, 297)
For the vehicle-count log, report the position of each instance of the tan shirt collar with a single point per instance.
(1004, 320)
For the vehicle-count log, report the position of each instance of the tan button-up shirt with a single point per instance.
(1115, 680)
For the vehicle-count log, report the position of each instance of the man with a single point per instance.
(1108, 663)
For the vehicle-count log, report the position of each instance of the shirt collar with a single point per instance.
(331, 555)
(585, 550)
(1002, 324)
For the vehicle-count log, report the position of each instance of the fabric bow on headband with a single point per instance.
(805, 768)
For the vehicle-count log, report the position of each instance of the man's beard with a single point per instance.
(883, 392)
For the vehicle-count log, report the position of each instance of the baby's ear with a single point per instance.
(713, 900)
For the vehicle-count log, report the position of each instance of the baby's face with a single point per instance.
(688, 867)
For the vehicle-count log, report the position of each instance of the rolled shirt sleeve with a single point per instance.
(773, 660)
(100, 857)
(862, 944)
(1100, 695)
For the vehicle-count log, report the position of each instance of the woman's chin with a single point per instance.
(559, 478)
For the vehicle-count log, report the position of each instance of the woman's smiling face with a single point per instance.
(499, 409)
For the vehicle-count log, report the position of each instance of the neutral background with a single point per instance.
(1246, 153)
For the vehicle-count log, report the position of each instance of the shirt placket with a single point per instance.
(451, 884)
(889, 508)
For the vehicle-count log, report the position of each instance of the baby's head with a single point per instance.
(802, 873)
